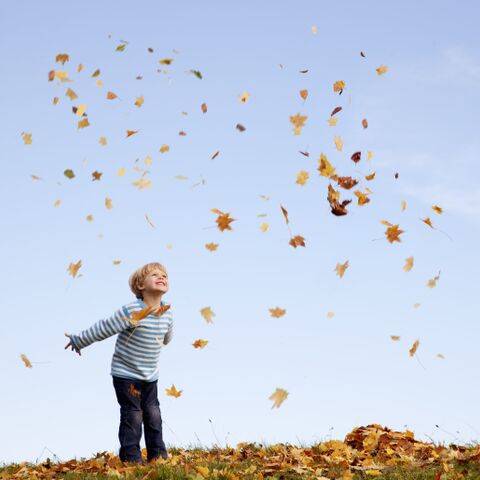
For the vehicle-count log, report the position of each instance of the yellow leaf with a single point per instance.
(173, 392)
(362, 197)
(408, 264)
(369, 155)
(55, 100)
(164, 148)
(26, 361)
(148, 160)
(207, 314)
(264, 227)
(437, 209)
(99, 83)
(116, 262)
(393, 233)
(404, 205)
(427, 221)
(81, 109)
(57, 203)
(373, 472)
(244, 97)
(96, 73)
(61, 75)
(27, 138)
(108, 203)
(80, 67)
(83, 123)
(330, 315)
(71, 94)
(370, 177)
(395, 337)
(121, 172)
(338, 143)
(139, 101)
(277, 312)
(433, 281)
(142, 183)
(62, 57)
(278, 397)
(302, 177)
(332, 121)
(73, 268)
(338, 86)
(340, 268)
(325, 167)
(102, 141)
(165, 61)
(211, 246)
(414, 347)
(89, 218)
(382, 69)
(304, 94)
(298, 121)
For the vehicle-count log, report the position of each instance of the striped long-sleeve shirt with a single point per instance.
(138, 344)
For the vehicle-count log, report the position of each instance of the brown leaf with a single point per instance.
(336, 207)
(365, 123)
(297, 241)
(356, 156)
(335, 110)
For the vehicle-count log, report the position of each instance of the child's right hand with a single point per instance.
(69, 344)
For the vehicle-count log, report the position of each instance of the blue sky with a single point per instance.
(340, 372)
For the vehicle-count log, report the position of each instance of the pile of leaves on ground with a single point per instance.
(366, 452)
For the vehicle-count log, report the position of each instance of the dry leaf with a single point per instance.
(278, 397)
(207, 314)
(338, 142)
(437, 209)
(338, 86)
(139, 101)
(298, 121)
(382, 69)
(164, 148)
(325, 167)
(304, 94)
(433, 281)
(365, 123)
(393, 233)
(73, 268)
(333, 197)
(223, 220)
(131, 132)
(69, 173)
(264, 227)
(200, 343)
(142, 183)
(204, 107)
(408, 264)
(302, 177)
(340, 268)
(211, 246)
(414, 347)
(297, 241)
(277, 312)
(173, 392)
(336, 110)
(356, 157)
(26, 361)
(108, 203)
(395, 337)
(102, 141)
(244, 97)
(27, 138)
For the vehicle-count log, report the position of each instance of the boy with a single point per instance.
(144, 326)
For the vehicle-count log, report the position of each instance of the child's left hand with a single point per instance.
(69, 344)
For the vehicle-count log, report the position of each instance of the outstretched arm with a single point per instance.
(101, 330)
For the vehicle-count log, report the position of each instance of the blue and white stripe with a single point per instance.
(138, 345)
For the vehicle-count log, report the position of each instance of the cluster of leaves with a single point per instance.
(366, 452)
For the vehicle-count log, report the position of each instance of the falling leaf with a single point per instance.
(99, 83)
(439, 355)
(336, 110)
(340, 268)
(285, 213)
(264, 227)
(395, 337)
(121, 47)
(345, 182)
(55, 100)
(131, 132)
(393, 233)
(182, 133)
(199, 343)
(26, 361)
(382, 69)
(362, 197)
(244, 97)
(57, 203)
(61, 75)
(62, 57)
(338, 143)
(297, 241)
(142, 183)
(207, 314)
(149, 221)
(96, 73)
(81, 109)
(338, 86)
(362, 54)
(102, 141)
(314, 29)
(89, 218)
(223, 220)
(121, 172)
(96, 175)
(27, 138)
(211, 246)
(365, 123)
(204, 107)
(139, 101)
(166, 61)
(197, 74)
(173, 392)
(416, 305)
(330, 315)
(414, 347)
(404, 205)
(305, 154)
(35, 177)
(304, 94)
(427, 221)
(132, 390)
(332, 121)
(278, 397)
(73, 268)
(433, 281)
(181, 177)
(408, 264)
(79, 68)
(336, 207)
(356, 157)
(215, 155)
(71, 94)
(369, 155)
(277, 312)
(437, 209)
(108, 203)
(164, 148)
(302, 177)
(147, 160)
(240, 127)
(325, 167)
(116, 262)
(83, 123)
(69, 173)
(298, 121)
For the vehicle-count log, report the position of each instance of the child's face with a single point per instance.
(156, 281)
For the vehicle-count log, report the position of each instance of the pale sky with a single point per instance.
(339, 372)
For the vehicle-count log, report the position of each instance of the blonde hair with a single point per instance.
(139, 276)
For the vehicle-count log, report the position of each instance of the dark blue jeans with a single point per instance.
(139, 402)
